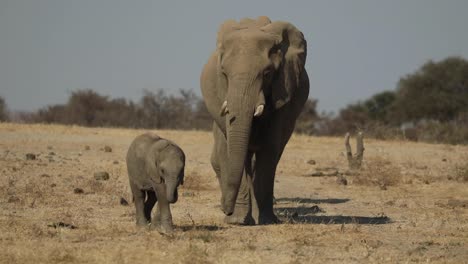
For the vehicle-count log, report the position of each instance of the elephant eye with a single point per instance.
(162, 171)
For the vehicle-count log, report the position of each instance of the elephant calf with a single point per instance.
(155, 170)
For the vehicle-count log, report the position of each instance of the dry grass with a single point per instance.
(380, 172)
(462, 173)
(420, 216)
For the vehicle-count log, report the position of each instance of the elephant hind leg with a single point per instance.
(149, 204)
(219, 153)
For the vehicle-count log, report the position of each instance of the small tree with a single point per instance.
(306, 121)
(438, 90)
(3, 110)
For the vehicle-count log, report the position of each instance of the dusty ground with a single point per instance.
(410, 203)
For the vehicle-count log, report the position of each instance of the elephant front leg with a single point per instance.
(139, 201)
(163, 217)
(264, 186)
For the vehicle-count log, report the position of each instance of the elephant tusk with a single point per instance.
(259, 110)
(224, 109)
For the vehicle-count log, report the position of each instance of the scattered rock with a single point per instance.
(30, 156)
(51, 160)
(87, 147)
(311, 162)
(53, 185)
(327, 171)
(426, 182)
(107, 149)
(78, 191)
(444, 160)
(315, 174)
(123, 201)
(62, 225)
(13, 199)
(49, 147)
(315, 209)
(341, 180)
(116, 162)
(457, 203)
(101, 176)
(44, 175)
(351, 173)
(51, 153)
(188, 194)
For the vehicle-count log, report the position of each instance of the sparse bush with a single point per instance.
(154, 110)
(462, 173)
(195, 182)
(3, 110)
(307, 120)
(378, 172)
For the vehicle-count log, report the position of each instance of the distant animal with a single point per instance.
(155, 170)
(254, 86)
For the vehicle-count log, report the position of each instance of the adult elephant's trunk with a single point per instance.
(241, 103)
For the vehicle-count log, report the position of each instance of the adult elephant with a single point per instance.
(254, 86)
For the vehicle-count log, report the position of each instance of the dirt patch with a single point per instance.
(408, 204)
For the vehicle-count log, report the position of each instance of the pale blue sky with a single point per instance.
(120, 47)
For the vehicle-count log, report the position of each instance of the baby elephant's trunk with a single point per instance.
(171, 192)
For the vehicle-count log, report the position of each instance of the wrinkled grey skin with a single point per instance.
(155, 170)
(254, 86)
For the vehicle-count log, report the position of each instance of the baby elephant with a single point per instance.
(155, 170)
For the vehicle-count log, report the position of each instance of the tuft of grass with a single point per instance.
(195, 182)
(462, 172)
(195, 254)
(205, 236)
(379, 172)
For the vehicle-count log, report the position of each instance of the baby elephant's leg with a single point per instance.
(163, 213)
(149, 204)
(139, 200)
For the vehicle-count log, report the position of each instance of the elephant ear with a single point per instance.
(182, 176)
(294, 49)
(153, 158)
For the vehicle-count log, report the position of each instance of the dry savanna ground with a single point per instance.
(409, 203)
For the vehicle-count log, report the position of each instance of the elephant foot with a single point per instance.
(268, 219)
(241, 216)
(142, 223)
(163, 228)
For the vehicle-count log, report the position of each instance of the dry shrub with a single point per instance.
(3, 110)
(195, 254)
(185, 110)
(378, 172)
(462, 173)
(195, 182)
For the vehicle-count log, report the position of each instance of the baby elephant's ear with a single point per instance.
(181, 177)
(152, 169)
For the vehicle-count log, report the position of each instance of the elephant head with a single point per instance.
(259, 66)
(170, 163)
